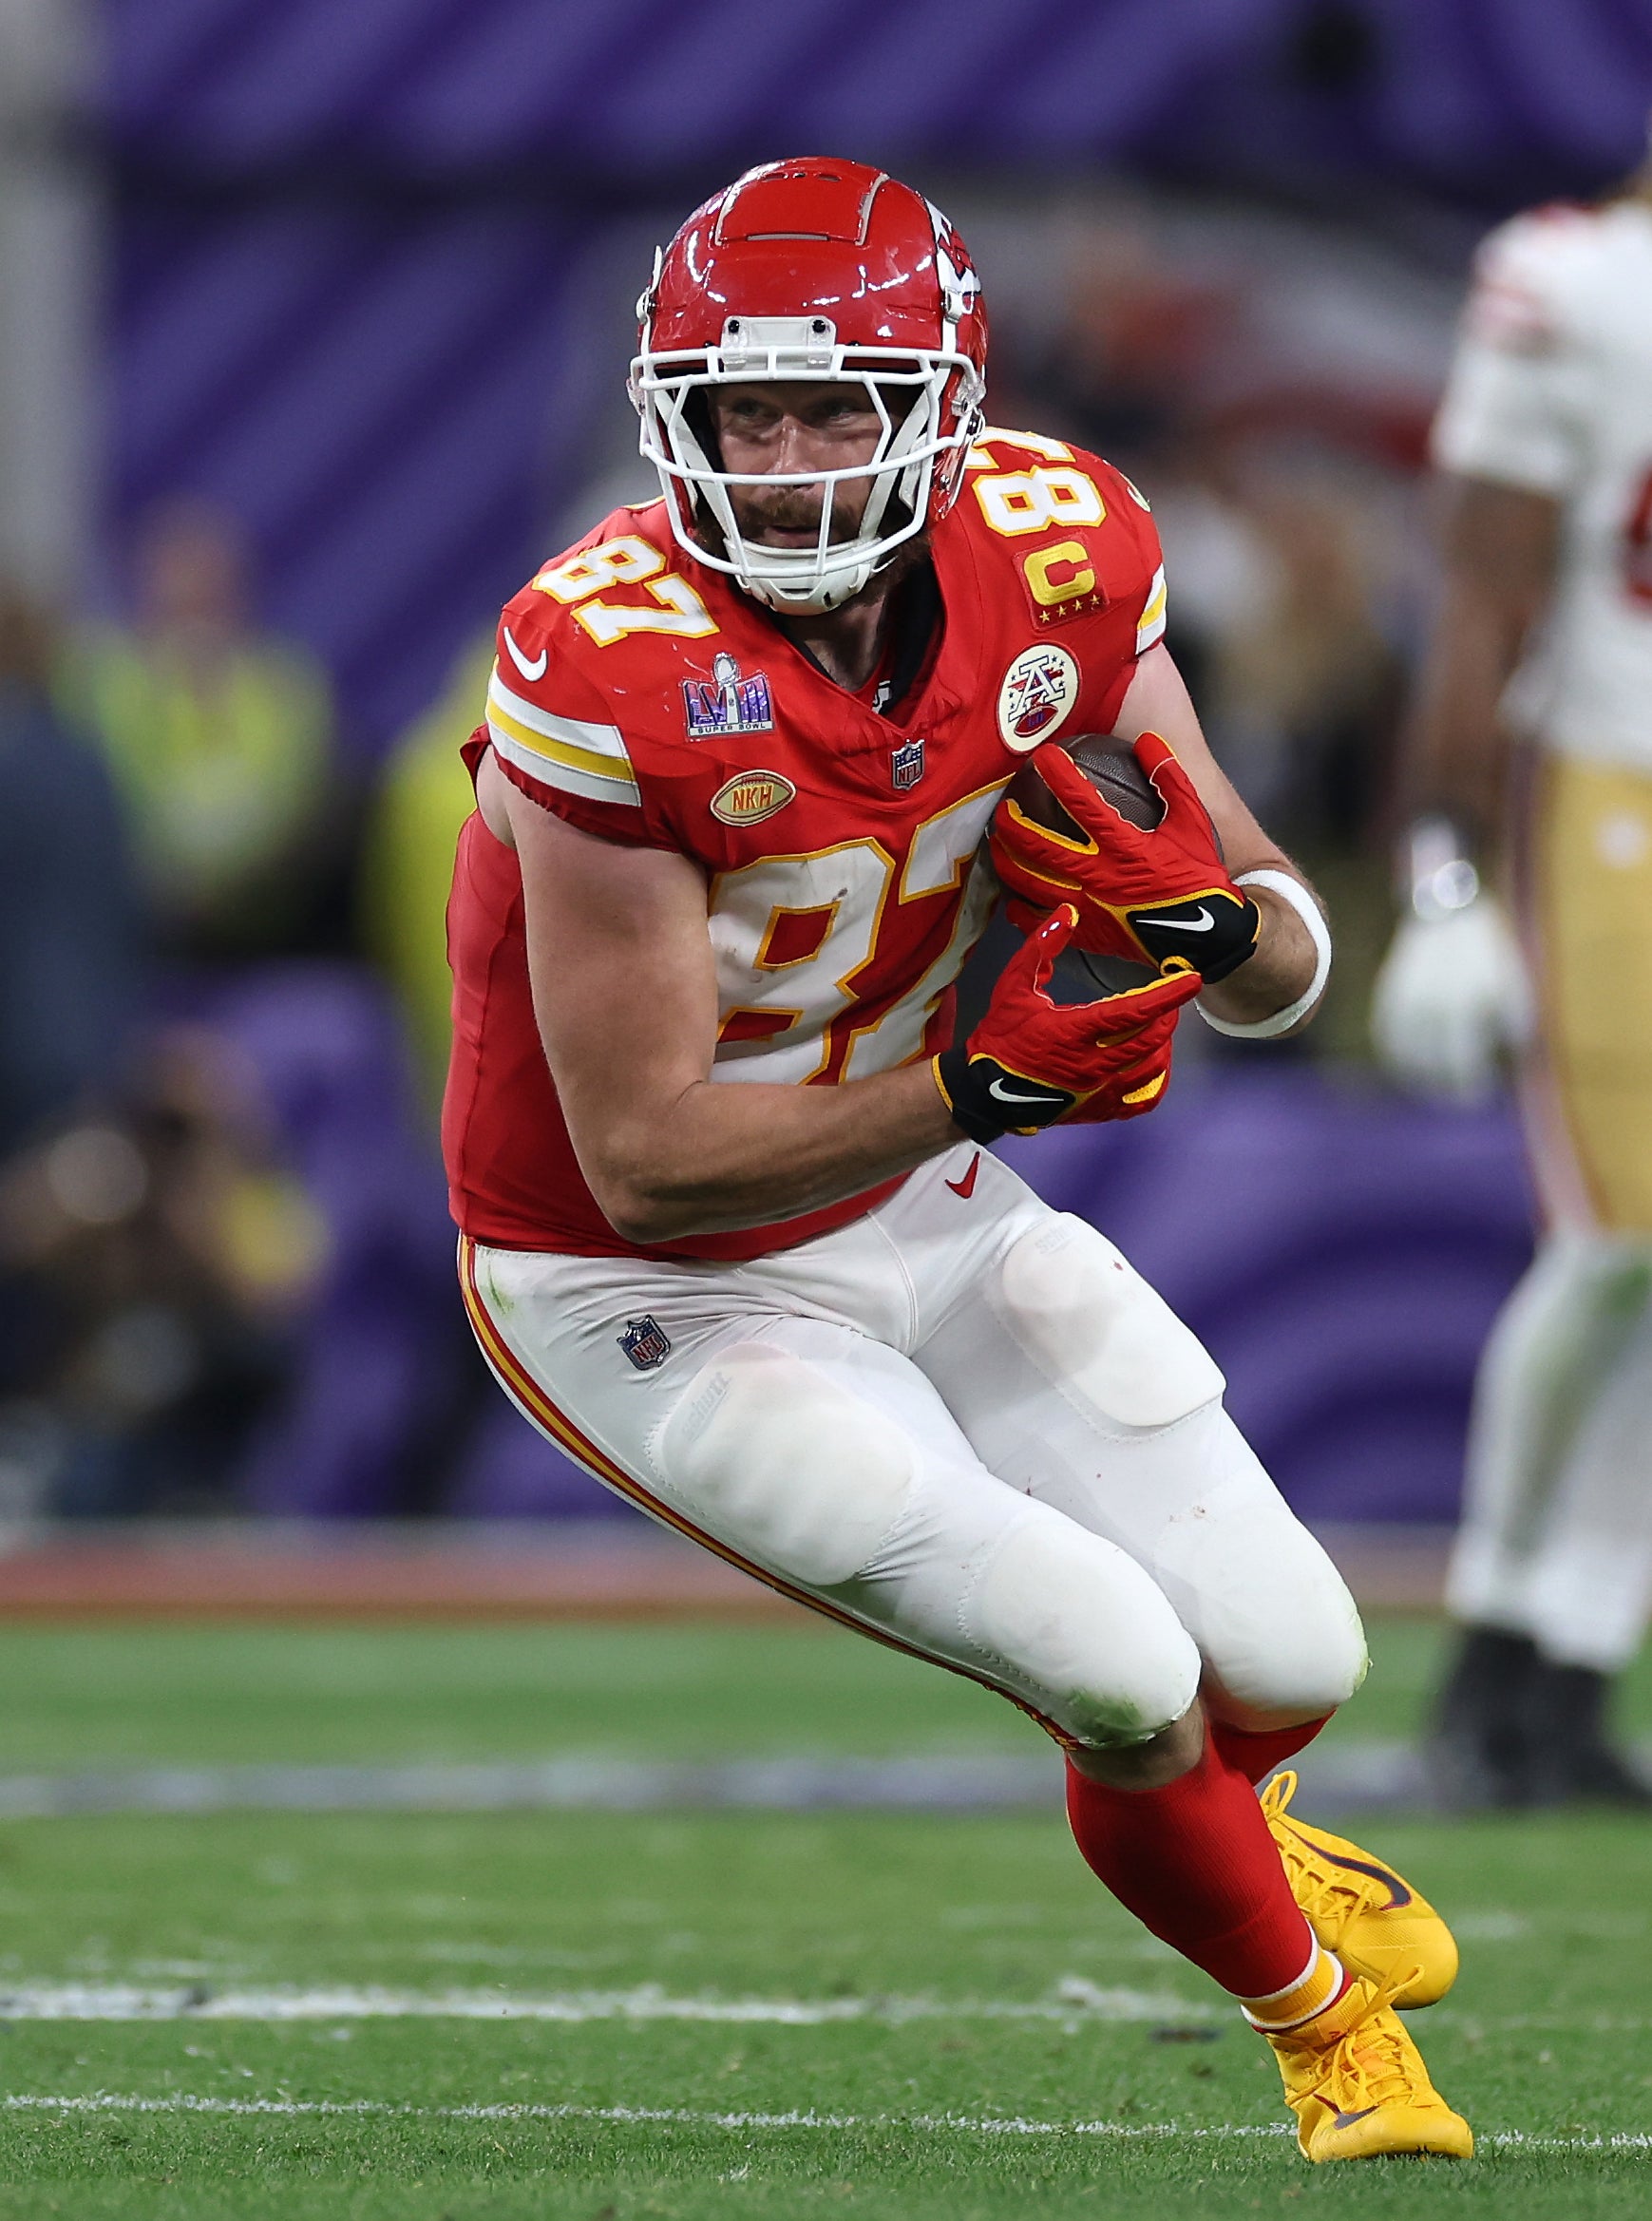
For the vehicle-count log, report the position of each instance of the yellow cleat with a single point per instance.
(1359, 2088)
(1376, 1923)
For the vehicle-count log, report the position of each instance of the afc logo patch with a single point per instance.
(726, 702)
(1039, 688)
(645, 1342)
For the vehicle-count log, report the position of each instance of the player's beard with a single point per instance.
(792, 508)
(797, 508)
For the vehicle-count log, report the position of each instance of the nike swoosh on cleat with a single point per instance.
(1203, 923)
(1397, 1892)
(1005, 1094)
(1346, 2120)
(966, 1186)
(531, 668)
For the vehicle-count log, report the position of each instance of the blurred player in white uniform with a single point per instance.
(1534, 768)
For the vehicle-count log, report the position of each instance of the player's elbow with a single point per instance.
(643, 1200)
(636, 1209)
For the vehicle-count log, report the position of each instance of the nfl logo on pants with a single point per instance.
(645, 1342)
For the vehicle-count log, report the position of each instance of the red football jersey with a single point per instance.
(647, 699)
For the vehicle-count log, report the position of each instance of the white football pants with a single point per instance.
(962, 1423)
(1556, 1540)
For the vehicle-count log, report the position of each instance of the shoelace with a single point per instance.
(1347, 1898)
(1368, 2057)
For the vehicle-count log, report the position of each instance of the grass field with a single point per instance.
(708, 2014)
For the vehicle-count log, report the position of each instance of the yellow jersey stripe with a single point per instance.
(1151, 622)
(560, 752)
(602, 740)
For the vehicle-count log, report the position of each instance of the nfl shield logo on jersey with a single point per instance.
(726, 702)
(645, 1342)
(907, 765)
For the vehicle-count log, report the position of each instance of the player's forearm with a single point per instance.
(1280, 970)
(1457, 749)
(1498, 544)
(726, 1155)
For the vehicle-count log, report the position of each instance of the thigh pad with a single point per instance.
(1098, 1332)
(782, 1461)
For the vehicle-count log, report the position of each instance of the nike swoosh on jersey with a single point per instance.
(966, 1186)
(1203, 923)
(1005, 1094)
(531, 668)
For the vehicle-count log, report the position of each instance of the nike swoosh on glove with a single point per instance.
(1156, 893)
(1032, 1061)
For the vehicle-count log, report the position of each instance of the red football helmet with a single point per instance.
(819, 270)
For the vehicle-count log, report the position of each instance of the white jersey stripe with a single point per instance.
(571, 770)
(528, 720)
(1151, 623)
(560, 752)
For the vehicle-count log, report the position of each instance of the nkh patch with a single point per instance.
(645, 1342)
(907, 765)
(726, 702)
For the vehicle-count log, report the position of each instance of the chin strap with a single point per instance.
(1292, 891)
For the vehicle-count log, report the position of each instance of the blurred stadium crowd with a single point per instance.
(225, 1263)
(226, 1009)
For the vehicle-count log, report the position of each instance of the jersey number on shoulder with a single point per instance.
(673, 606)
(1054, 491)
(795, 937)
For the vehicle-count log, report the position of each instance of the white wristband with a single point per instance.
(1292, 891)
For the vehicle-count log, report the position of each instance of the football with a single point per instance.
(1110, 767)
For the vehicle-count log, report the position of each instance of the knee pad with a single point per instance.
(1098, 1332)
(1279, 1633)
(1075, 1623)
(774, 1457)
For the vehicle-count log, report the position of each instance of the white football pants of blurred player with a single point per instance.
(1556, 1537)
(963, 1422)
(1556, 1541)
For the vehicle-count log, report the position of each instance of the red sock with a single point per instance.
(1256, 1754)
(1196, 1865)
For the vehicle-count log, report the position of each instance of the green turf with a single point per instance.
(936, 1924)
(225, 1694)
(241, 1696)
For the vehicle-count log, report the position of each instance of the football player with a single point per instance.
(732, 1232)
(1535, 721)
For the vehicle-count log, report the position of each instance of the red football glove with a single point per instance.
(1032, 1061)
(1157, 894)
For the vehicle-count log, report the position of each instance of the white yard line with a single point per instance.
(1072, 2003)
(1359, 1776)
(682, 2116)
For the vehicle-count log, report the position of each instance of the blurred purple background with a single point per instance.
(360, 278)
(359, 251)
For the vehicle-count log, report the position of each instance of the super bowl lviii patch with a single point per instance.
(727, 702)
(645, 1342)
(1039, 689)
